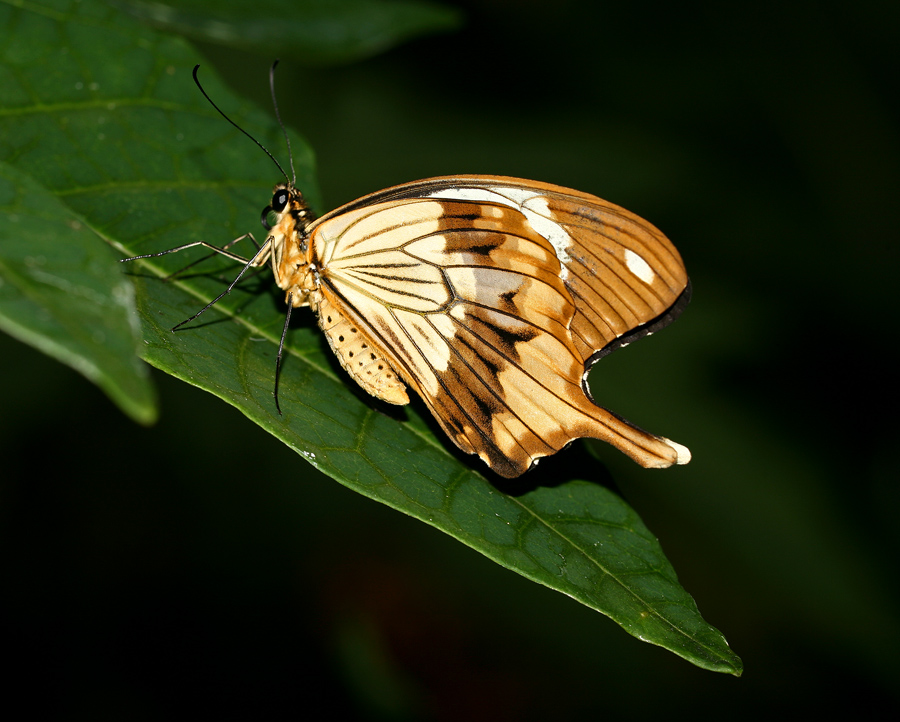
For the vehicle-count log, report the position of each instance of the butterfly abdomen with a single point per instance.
(360, 356)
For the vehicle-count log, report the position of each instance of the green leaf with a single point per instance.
(108, 120)
(309, 31)
(60, 291)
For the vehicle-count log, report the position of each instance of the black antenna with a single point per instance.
(265, 150)
(287, 140)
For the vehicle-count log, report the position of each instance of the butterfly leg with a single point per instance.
(287, 323)
(216, 251)
(258, 259)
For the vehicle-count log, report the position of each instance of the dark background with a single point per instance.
(200, 567)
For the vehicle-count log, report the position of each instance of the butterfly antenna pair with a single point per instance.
(247, 264)
(293, 179)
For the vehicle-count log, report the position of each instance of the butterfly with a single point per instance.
(490, 297)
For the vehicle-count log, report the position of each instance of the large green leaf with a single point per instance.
(118, 133)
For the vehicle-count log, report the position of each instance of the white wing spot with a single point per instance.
(639, 267)
(682, 453)
(533, 206)
(537, 210)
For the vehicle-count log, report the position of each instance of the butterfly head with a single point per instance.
(288, 212)
(287, 219)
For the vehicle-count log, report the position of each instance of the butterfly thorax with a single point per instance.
(298, 266)
(288, 219)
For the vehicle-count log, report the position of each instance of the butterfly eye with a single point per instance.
(270, 213)
(280, 200)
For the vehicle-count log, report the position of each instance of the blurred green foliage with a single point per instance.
(317, 32)
(179, 569)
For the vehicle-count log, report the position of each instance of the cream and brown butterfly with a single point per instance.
(490, 297)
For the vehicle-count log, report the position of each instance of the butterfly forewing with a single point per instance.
(621, 271)
(489, 294)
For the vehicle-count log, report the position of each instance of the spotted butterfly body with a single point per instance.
(490, 297)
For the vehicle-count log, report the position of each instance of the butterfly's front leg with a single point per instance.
(260, 258)
(217, 250)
